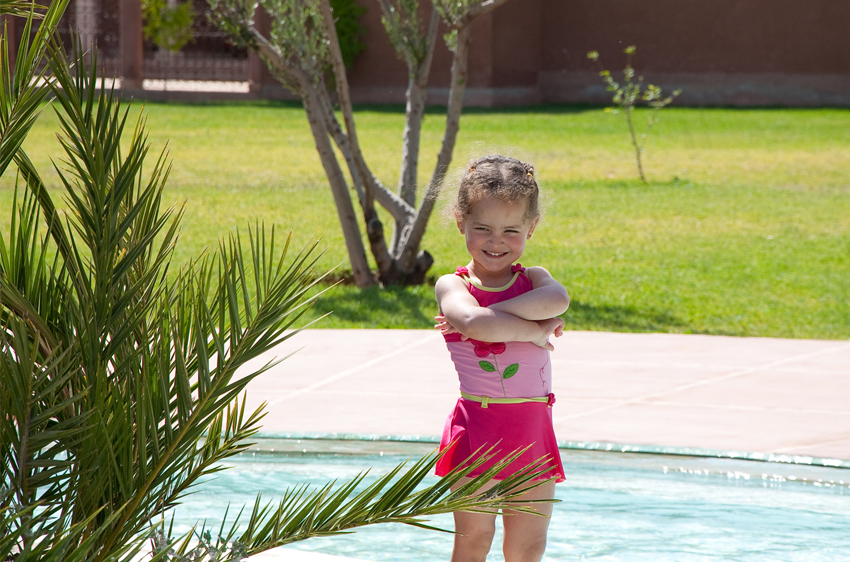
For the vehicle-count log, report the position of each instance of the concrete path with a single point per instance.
(766, 395)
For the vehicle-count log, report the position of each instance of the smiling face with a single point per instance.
(495, 233)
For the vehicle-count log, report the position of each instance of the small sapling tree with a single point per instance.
(626, 97)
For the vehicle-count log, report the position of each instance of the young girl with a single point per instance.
(497, 317)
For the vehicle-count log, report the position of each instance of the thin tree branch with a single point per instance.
(394, 204)
(426, 206)
(344, 96)
(351, 231)
(341, 140)
(477, 10)
(390, 20)
(418, 72)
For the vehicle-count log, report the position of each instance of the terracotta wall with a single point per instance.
(721, 52)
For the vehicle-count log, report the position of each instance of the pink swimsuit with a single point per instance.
(504, 370)
(498, 370)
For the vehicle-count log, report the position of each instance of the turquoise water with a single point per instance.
(617, 507)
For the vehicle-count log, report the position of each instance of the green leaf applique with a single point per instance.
(510, 371)
(487, 366)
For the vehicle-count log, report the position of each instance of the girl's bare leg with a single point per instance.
(525, 534)
(475, 535)
(474, 531)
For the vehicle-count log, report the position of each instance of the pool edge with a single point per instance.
(602, 446)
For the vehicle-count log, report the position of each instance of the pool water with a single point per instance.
(618, 507)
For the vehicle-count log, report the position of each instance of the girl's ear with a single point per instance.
(533, 225)
(459, 221)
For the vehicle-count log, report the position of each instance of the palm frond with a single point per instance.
(22, 88)
(20, 8)
(396, 497)
(120, 381)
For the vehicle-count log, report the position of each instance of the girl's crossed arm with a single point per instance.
(462, 313)
(546, 300)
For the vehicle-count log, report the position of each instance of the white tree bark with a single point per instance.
(416, 97)
(410, 244)
(374, 227)
(315, 116)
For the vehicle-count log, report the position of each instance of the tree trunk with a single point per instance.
(458, 88)
(416, 95)
(374, 227)
(345, 210)
(319, 126)
(402, 263)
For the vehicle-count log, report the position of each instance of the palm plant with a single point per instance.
(118, 371)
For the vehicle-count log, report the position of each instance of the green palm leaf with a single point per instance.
(20, 8)
(22, 88)
(121, 379)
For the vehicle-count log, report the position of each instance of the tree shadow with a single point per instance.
(374, 307)
(408, 308)
(612, 318)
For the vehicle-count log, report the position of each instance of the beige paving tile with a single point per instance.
(813, 391)
(729, 429)
(374, 413)
(627, 382)
(744, 394)
(688, 349)
(834, 448)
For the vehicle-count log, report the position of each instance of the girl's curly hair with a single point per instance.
(502, 177)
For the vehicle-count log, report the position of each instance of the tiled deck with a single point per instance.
(766, 395)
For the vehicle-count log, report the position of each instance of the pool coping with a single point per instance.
(601, 446)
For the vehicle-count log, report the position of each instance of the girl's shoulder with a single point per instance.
(461, 275)
(538, 275)
(450, 282)
(536, 270)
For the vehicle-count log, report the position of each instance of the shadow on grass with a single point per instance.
(415, 307)
(391, 308)
(611, 318)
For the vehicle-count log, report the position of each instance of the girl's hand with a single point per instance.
(446, 328)
(549, 327)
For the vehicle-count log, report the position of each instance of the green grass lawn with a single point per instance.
(743, 230)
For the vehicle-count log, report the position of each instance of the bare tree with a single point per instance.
(302, 46)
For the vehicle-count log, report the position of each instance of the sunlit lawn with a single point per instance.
(744, 229)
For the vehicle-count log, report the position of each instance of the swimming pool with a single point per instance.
(625, 507)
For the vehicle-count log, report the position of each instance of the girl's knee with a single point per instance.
(472, 543)
(525, 537)
(478, 531)
(525, 549)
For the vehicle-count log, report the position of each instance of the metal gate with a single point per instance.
(209, 56)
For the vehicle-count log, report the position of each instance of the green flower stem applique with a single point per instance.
(493, 367)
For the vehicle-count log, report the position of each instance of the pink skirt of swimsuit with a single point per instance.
(507, 427)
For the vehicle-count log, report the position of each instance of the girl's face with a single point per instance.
(495, 233)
